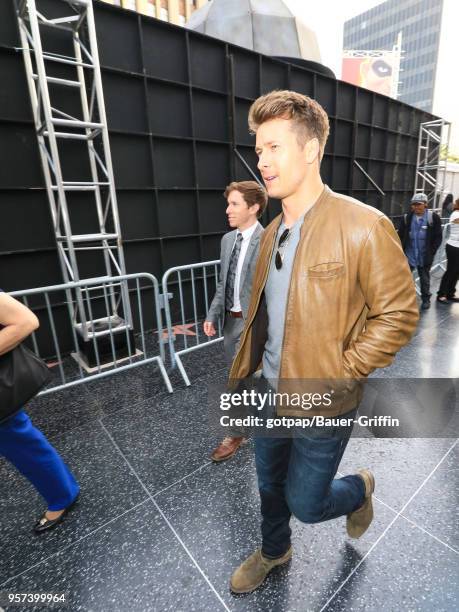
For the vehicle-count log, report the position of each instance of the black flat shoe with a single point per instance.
(45, 523)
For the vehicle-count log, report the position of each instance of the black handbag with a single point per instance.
(22, 375)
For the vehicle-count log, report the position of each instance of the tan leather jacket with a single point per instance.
(351, 304)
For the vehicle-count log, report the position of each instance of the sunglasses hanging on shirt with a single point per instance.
(283, 241)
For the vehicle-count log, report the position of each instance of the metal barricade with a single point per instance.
(440, 256)
(439, 262)
(186, 312)
(53, 306)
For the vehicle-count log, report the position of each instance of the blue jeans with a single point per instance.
(297, 476)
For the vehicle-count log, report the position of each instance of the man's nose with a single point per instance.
(262, 162)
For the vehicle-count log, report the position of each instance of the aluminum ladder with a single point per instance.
(433, 141)
(47, 72)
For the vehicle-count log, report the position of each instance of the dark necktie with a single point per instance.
(231, 277)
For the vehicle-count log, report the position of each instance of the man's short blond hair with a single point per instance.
(308, 117)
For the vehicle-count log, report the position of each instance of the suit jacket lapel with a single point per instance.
(229, 248)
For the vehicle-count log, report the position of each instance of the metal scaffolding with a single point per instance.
(430, 173)
(46, 73)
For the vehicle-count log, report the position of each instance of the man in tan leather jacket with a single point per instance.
(332, 299)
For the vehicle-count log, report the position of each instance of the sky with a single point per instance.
(327, 20)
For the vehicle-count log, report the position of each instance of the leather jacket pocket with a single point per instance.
(328, 269)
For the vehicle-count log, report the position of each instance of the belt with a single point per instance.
(235, 315)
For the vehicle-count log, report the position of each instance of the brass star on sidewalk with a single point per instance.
(184, 330)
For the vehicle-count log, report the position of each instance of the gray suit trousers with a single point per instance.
(232, 331)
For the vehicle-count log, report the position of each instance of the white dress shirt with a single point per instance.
(246, 236)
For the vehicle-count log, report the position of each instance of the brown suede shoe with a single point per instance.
(252, 572)
(227, 448)
(359, 520)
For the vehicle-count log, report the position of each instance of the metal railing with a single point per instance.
(187, 279)
(112, 348)
(439, 262)
(440, 255)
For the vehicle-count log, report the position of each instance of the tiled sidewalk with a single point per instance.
(159, 527)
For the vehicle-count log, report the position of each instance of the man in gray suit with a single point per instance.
(247, 201)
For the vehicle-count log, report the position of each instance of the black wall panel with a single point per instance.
(29, 268)
(19, 158)
(302, 81)
(177, 105)
(210, 116)
(213, 161)
(273, 75)
(208, 64)
(212, 208)
(74, 160)
(164, 50)
(125, 102)
(378, 144)
(326, 94)
(173, 162)
(179, 250)
(242, 133)
(393, 116)
(341, 173)
(28, 211)
(326, 169)
(343, 138)
(250, 158)
(143, 256)
(391, 145)
(177, 213)
(363, 141)
(131, 156)
(138, 214)
(246, 66)
(210, 246)
(14, 94)
(118, 40)
(345, 101)
(380, 112)
(169, 112)
(83, 213)
(364, 106)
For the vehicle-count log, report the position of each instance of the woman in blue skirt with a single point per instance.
(23, 444)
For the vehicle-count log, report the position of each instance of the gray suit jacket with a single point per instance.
(217, 308)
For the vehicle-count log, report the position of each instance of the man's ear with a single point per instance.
(256, 208)
(312, 151)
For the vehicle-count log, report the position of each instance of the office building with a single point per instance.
(419, 22)
(425, 31)
(173, 11)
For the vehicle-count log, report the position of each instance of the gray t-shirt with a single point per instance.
(276, 293)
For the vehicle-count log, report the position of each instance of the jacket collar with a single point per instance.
(312, 212)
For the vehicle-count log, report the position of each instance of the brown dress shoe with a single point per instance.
(227, 448)
(359, 520)
(253, 571)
